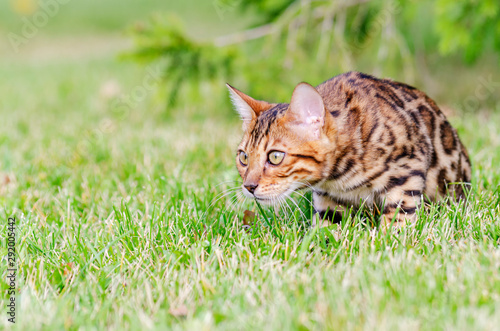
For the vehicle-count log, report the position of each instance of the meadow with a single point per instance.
(122, 221)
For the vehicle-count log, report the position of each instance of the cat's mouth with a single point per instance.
(267, 200)
(275, 198)
(263, 199)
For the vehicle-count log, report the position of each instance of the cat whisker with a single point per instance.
(227, 181)
(220, 196)
(232, 203)
(278, 207)
(303, 196)
(287, 208)
(296, 205)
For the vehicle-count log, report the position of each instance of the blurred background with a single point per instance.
(122, 93)
(447, 48)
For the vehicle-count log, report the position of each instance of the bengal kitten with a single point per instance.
(355, 140)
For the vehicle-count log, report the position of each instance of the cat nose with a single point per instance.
(251, 187)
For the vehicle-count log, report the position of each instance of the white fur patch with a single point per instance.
(244, 110)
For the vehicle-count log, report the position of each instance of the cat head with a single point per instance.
(282, 147)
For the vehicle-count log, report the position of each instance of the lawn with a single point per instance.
(122, 222)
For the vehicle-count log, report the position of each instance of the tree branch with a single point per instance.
(271, 28)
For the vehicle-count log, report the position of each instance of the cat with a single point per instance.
(355, 140)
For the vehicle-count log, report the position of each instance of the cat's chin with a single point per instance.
(266, 201)
(271, 200)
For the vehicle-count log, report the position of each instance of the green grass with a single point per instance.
(119, 226)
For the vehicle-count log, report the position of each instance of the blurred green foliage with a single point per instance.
(187, 61)
(267, 10)
(292, 41)
(468, 26)
(72, 18)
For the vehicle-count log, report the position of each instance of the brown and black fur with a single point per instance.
(382, 143)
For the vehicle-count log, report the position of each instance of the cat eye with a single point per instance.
(243, 158)
(276, 157)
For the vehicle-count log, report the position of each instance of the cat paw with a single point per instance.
(317, 221)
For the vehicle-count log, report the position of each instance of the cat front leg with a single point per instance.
(327, 210)
(400, 203)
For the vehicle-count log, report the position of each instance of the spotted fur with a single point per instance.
(354, 140)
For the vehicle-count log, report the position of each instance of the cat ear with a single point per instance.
(307, 111)
(246, 106)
